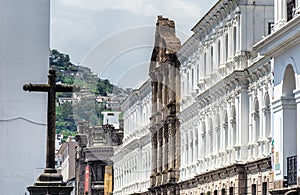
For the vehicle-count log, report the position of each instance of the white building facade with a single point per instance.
(225, 108)
(132, 159)
(24, 47)
(282, 49)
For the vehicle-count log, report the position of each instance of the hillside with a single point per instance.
(86, 108)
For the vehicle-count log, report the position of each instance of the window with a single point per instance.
(219, 53)
(226, 47)
(231, 191)
(205, 68)
(212, 59)
(188, 80)
(264, 188)
(253, 189)
(216, 192)
(223, 191)
(270, 27)
(290, 9)
(193, 79)
(234, 40)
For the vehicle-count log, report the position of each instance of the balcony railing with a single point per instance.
(292, 170)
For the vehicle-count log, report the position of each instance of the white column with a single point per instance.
(238, 34)
(297, 98)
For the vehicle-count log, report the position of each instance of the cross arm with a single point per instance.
(36, 87)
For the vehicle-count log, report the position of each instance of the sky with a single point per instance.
(115, 38)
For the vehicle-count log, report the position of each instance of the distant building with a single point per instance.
(67, 153)
(93, 158)
(111, 118)
(132, 159)
(63, 100)
(58, 141)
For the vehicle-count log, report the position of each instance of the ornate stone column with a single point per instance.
(172, 83)
(154, 158)
(165, 152)
(154, 96)
(171, 149)
(165, 86)
(159, 93)
(159, 155)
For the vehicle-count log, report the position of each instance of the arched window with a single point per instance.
(219, 53)
(233, 126)
(256, 121)
(226, 48)
(289, 123)
(217, 132)
(267, 117)
(196, 144)
(211, 135)
(225, 127)
(203, 135)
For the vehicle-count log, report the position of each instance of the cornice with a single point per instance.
(277, 42)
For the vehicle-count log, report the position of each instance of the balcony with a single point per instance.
(292, 170)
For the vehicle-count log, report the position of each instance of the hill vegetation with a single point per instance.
(67, 113)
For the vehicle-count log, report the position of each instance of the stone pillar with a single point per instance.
(165, 87)
(154, 159)
(178, 88)
(165, 152)
(172, 83)
(171, 149)
(154, 96)
(159, 156)
(159, 93)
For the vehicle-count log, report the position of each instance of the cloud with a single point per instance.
(102, 33)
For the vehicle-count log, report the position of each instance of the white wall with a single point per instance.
(24, 50)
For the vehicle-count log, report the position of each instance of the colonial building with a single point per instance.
(93, 167)
(164, 125)
(281, 49)
(132, 159)
(65, 161)
(239, 106)
(226, 99)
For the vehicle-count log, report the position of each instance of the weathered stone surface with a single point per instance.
(164, 68)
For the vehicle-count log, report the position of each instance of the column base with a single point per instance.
(171, 176)
(158, 178)
(50, 182)
(152, 179)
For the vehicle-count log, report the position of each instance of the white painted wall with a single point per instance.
(24, 51)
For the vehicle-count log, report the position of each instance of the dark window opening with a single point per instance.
(270, 27)
(264, 188)
(231, 191)
(223, 191)
(253, 189)
(291, 5)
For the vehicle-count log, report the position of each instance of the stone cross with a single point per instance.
(51, 88)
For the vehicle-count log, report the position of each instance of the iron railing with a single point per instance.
(292, 170)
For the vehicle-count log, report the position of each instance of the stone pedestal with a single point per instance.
(50, 183)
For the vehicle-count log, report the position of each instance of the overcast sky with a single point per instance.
(115, 37)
